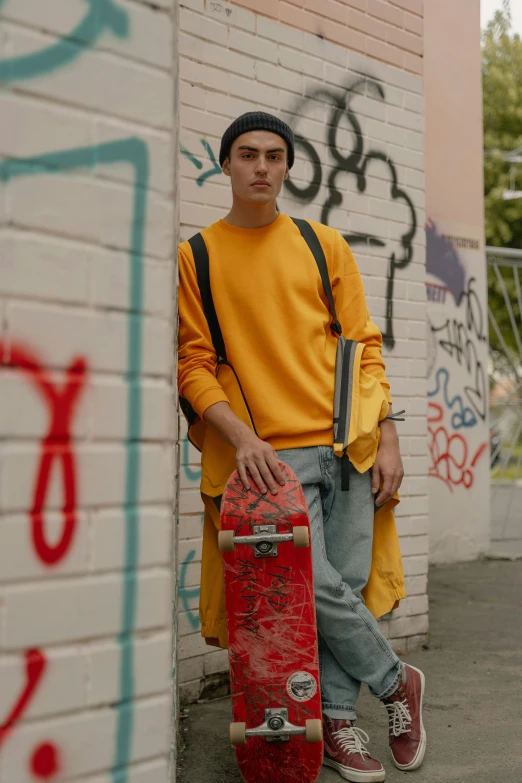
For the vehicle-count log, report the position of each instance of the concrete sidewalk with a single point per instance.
(473, 704)
(506, 519)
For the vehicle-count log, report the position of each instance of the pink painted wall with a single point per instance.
(457, 329)
(390, 31)
(453, 92)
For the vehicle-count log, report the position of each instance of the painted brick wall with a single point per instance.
(87, 420)
(386, 30)
(458, 385)
(368, 156)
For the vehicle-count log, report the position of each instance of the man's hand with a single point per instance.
(258, 459)
(388, 468)
(254, 456)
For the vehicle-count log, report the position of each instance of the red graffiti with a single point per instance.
(449, 453)
(435, 412)
(35, 665)
(56, 445)
(45, 761)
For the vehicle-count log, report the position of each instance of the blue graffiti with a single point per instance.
(186, 594)
(102, 15)
(134, 152)
(442, 261)
(463, 416)
(212, 172)
(191, 474)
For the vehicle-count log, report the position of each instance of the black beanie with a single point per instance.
(257, 120)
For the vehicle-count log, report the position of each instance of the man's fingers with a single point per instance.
(244, 476)
(273, 464)
(266, 473)
(256, 476)
(396, 483)
(376, 478)
(386, 493)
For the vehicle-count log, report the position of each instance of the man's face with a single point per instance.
(257, 165)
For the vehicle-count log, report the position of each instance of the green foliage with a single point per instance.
(502, 100)
(502, 106)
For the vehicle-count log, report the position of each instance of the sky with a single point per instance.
(488, 8)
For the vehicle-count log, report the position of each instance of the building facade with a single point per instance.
(112, 112)
(348, 77)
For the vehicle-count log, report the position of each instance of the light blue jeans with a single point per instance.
(352, 649)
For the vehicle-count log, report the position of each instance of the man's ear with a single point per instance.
(226, 167)
(287, 172)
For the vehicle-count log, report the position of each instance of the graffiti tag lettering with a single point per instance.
(188, 594)
(356, 163)
(460, 340)
(451, 461)
(462, 416)
(56, 445)
(133, 151)
(45, 761)
(212, 171)
(102, 15)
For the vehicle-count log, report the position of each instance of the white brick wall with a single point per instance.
(238, 62)
(87, 271)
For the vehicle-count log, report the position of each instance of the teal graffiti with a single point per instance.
(463, 416)
(133, 151)
(197, 163)
(102, 15)
(191, 474)
(186, 594)
(212, 172)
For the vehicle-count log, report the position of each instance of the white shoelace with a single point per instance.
(399, 717)
(351, 740)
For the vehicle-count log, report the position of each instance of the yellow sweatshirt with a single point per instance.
(275, 322)
(274, 317)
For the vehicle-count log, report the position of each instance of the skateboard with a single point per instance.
(272, 633)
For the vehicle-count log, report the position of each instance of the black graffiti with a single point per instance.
(247, 571)
(247, 619)
(355, 163)
(246, 574)
(436, 293)
(461, 341)
(278, 595)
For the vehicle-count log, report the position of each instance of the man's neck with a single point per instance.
(244, 215)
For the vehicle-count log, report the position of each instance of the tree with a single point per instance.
(502, 106)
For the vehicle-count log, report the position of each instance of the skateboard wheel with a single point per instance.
(238, 733)
(314, 730)
(226, 540)
(301, 537)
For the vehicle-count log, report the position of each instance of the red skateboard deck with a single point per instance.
(272, 634)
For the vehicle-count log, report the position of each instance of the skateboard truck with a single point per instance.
(276, 728)
(264, 539)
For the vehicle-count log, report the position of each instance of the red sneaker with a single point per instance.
(407, 734)
(344, 751)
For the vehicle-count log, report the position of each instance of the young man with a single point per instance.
(273, 400)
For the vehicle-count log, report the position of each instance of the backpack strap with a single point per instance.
(201, 262)
(311, 239)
